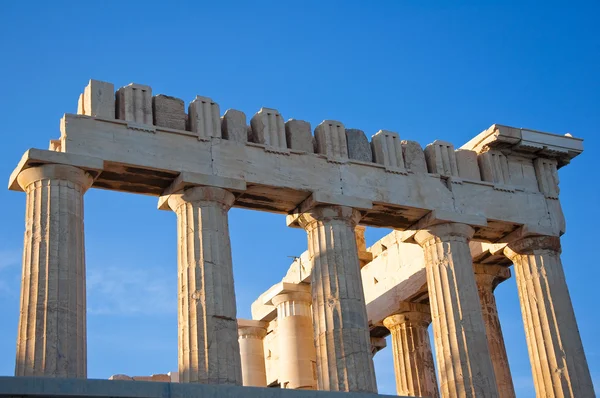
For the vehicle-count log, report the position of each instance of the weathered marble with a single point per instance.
(299, 136)
(466, 162)
(98, 100)
(487, 278)
(51, 339)
(331, 140)
(268, 128)
(359, 147)
(344, 361)
(413, 359)
(203, 118)
(557, 358)
(233, 126)
(297, 356)
(463, 358)
(168, 112)
(387, 150)
(441, 158)
(252, 355)
(209, 351)
(414, 158)
(134, 103)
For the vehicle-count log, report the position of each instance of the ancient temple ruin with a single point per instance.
(460, 217)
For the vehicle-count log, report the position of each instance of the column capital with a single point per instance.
(202, 194)
(309, 219)
(55, 172)
(301, 297)
(490, 275)
(252, 332)
(444, 232)
(532, 244)
(412, 317)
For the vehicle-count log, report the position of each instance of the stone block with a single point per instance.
(168, 112)
(441, 159)
(359, 147)
(97, 100)
(546, 172)
(414, 158)
(268, 128)
(134, 103)
(233, 126)
(203, 118)
(299, 135)
(387, 150)
(494, 167)
(331, 140)
(466, 161)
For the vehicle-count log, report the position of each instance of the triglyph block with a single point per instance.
(134, 103)
(441, 159)
(203, 118)
(466, 162)
(414, 158)
(97, 100)
(233, 126)
(299, 135)
(268, 128)
(359, 147)
(494, 167)
(168, 112)
(546, 172)
(387, 150)
(331, 140)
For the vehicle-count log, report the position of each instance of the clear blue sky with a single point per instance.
(435, 71)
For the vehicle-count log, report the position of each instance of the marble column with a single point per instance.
(297, 357)
(462, 354)
(51, 339)
(556, 354)
(413, 360)
(209, 350)
(342, 341)
(487, 278)
(252, 355)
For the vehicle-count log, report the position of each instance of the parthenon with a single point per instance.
(460, 218)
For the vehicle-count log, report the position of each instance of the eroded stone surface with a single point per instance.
(414, 158)
(134, 103)
(233, 126)
(556, 353)
(51, 339)
(358, 145)
(209, 351)
(299, 136)
(168, 112)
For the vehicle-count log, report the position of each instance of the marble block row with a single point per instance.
(135, 103)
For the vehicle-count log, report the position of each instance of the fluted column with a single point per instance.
(413, 360)
(342, 341)
(252, 354)
(463, 358)
(487, 278)
(51, 339)
(556, 354)
(297, 357)
(209, 351)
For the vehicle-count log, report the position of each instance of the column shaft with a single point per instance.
(209, 350)
(344, 361)
(556, 353)
(252, 354)
(463, 359)
(413, 360)
(51, 339)
(297, 357)
(488, 277)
